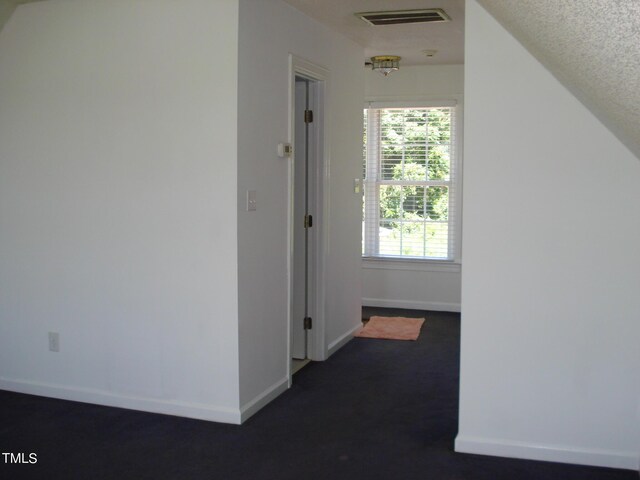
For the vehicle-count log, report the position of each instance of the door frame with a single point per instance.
(319, 76)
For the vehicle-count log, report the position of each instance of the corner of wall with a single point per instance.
(6, 10)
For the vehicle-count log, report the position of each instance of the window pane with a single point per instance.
(439, 162)
(413, 203)
(412, 239)
(437, 240)
(415, 152)
(391, 143)
(409, 146)
(413, 171)
(415, 126)
(364, 145)
(402, 238)
(364, 233)
(391, 168)
(390, 202)
(438, 203)
(439, 125)
(403, 144)
(414, 221)
(389, 238)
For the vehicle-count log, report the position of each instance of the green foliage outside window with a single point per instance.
(414, 147)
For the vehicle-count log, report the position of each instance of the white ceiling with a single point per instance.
(7, 7)
(407, 41)
(592, 47)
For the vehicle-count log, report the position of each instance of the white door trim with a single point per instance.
(320, 76)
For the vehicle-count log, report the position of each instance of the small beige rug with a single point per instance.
(392, 328)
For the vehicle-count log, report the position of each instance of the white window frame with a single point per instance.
(372, 205)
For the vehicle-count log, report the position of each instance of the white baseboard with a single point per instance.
(548, 453)
(413, 305)
(99, 397)
(250, 408)
(343, 340)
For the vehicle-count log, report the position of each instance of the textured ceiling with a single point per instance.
(592, 47)
(408, 41)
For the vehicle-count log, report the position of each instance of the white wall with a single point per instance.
(550, 282)
(402, 284)
(6, 9)
(269, 31)
(117, 160)
(421, 82)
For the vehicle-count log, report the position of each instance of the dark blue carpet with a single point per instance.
(377, 409)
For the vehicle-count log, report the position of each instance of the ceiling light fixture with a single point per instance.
(385, 64)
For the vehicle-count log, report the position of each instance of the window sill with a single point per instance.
(415, 264)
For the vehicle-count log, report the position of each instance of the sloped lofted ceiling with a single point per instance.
(592, 47)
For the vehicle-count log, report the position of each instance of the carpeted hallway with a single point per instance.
(377, 409)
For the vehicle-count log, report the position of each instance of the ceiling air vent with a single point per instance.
(404, 16)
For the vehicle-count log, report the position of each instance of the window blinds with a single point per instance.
(410, 182)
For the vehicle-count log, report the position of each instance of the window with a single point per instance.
(410, 208)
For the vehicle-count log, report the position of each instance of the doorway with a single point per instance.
(303, 213)
(306, 292)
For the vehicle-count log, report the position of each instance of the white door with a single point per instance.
(304, 181)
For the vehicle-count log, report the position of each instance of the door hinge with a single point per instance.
(308, 116)
(308, 221)
(308, 323)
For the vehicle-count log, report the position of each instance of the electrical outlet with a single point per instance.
(54, 342)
